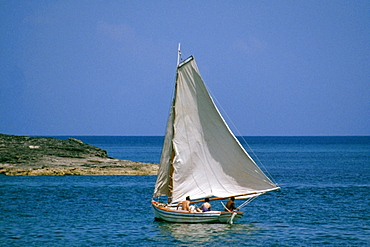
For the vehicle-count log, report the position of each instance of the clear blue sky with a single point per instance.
(108, 67)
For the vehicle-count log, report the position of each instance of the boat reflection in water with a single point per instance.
(203, 234)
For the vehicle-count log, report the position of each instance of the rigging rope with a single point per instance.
(247, 202)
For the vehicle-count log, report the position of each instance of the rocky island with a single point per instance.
(24, 155)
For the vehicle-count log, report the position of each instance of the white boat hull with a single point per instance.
(164, 213)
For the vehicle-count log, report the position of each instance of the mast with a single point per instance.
(170, 184)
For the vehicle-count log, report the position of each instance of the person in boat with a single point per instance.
(185, 205)
(206, 206)
(230, 205)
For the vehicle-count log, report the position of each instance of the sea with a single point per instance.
(324, 200)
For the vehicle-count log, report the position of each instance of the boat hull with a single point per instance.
(164, 213)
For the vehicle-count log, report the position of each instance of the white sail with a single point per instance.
(201, 157)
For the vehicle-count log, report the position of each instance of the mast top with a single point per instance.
(178, 54)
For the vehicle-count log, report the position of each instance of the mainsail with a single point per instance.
(201, 157)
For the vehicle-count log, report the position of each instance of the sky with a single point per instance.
(276, 68)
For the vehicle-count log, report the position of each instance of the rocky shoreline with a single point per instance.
(35, 156)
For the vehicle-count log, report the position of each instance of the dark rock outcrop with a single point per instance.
(24, 149)
(24, 155)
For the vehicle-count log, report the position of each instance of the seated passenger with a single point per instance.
(230, 205)
(184, 204)
(206, 206)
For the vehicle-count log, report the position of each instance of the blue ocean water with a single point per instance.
(324, 200)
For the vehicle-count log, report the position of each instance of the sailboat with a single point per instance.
(201, 157)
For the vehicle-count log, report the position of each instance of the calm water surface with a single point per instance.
(325, 200)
